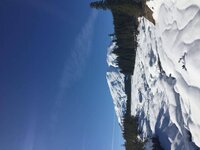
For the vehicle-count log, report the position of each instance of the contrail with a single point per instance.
(29, 140)
(84, 141)
(113, 133)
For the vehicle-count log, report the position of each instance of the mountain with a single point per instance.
(165, 86)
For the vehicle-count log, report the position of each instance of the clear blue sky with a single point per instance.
(53, 90)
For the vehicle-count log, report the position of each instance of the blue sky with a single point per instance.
(53, 90)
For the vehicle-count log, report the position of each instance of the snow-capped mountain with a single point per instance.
(165, 83)
(115, 81)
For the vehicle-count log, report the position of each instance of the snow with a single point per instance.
(180, 36)
(115, 81)
(167, 99)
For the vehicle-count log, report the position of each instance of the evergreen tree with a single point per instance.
(99, 5)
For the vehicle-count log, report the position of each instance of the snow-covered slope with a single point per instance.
(115, 81)
(166, 83)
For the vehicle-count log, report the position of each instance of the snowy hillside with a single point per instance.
(115, 81)
(166, 83)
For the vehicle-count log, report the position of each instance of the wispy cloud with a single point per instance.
(75, 65)
(76, 61)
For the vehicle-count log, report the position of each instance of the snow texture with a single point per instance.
(166, 83)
